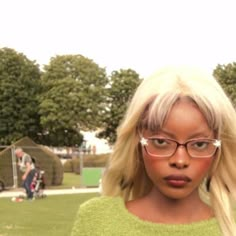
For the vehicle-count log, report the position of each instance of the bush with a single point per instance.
(2, 185)
(67, 167)
(76, 165)
(89, 160)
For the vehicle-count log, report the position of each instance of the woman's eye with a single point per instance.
(159, 142)
(200, 144)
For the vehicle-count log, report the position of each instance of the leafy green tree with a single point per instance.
(122, 85)
(19, 90)
(226, 75)
(73, 96)
(61, 137)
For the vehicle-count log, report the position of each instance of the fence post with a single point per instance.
(81, 164)
(14, 167)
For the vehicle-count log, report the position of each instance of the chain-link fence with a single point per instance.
(85, 167)
(44, 159)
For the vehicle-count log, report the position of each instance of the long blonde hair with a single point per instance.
(126, 176)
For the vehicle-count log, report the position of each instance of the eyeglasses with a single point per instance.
(164, 147)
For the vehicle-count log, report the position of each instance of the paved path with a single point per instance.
(48, 192)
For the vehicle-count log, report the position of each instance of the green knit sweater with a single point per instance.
(108, 216)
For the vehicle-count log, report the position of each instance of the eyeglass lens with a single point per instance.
(167, 147)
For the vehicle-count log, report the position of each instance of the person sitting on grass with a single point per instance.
(172, 169)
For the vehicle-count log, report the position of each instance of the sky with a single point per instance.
(142, 35)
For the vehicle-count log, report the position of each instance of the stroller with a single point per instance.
(37, 185)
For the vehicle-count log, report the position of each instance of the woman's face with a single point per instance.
(180, 175)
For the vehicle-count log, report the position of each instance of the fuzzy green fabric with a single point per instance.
(108, 216)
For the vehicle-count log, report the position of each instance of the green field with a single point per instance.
(50, 216)
(89, 179)
(69, 180)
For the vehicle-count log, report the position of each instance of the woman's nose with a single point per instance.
(180, 159)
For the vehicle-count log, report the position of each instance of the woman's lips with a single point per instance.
(177, 180)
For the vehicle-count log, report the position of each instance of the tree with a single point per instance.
(226, 75)
(19, 90)
(62, 137)
(122, 85)
(73, 96)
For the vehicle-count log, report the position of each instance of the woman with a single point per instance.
(172, 170)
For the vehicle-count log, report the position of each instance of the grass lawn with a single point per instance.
(51, 216)
(69, 180)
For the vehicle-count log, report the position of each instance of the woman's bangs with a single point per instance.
(212, 115)
(157, 110)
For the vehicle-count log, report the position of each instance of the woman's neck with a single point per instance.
(158, 208)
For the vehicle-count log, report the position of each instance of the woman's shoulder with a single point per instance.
(102, 202)
(98, 214)
(109, 216)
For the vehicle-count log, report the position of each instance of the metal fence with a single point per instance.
(52, 163)
(45, 159)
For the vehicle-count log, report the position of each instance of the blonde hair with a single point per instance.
(126, 176)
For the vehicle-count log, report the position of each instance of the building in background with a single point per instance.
(95, 145)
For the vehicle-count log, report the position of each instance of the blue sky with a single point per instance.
(139, 34)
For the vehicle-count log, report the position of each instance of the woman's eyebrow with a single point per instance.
(204, 134)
